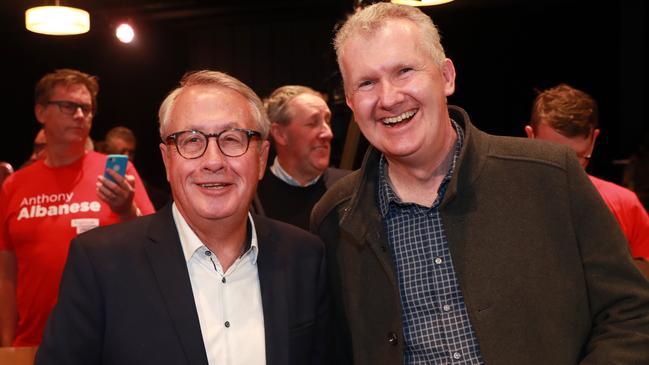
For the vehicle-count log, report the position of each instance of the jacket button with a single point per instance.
(393, 339)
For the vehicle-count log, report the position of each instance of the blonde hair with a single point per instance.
(277, 103)
(367, 21)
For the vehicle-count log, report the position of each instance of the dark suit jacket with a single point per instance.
(126, 297)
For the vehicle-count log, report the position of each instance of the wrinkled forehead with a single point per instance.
(210, 108)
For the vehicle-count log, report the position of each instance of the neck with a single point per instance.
(63, 154)
(291, 168)
(226, 238)
(418, 181)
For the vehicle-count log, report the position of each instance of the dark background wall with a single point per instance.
(503, 50)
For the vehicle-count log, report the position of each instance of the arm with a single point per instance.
(75, 330)
(8, 312)
(618, 294)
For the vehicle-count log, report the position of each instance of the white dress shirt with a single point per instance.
(228, 304)
(277, 170)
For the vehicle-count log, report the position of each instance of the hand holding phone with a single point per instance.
(116, 163)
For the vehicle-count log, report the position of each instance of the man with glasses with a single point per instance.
(568, 116)
(201, 281)
(46, 204)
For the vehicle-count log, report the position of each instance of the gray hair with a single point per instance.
(372, 18)
(216, 79)
(277, 103)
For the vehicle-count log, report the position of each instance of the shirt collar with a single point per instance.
(190, 242)
(386, 192)
(281, 174)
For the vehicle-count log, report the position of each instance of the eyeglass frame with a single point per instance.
(86, 109)
(249, 133)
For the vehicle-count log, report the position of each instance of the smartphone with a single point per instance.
(117, 163)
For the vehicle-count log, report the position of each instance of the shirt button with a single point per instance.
(393, 339)
(446, 308)
(227, 324)
(457, 355)
(208, 253)
(223, 280)
(438, 260)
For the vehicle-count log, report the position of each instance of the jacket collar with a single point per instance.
(361, 216)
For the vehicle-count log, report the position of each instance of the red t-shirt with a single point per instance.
(41, 210)
(629, 212)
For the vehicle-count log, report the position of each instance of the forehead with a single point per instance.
(79, 91)
(394, 41)
(210, 108)
(121, 142)
(305, 102)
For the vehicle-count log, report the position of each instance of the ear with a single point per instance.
(592, 142)
(448, 72)
(39, 111)
(278, 134)
(165, 158)
(529, 131)
(595, 134)
(263, 158)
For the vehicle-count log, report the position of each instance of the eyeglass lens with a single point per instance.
(232, 142)
(69, 107)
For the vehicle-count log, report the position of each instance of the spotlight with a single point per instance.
(125, 33)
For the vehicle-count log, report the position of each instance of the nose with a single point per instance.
(213, 159)
(389, 95)
(78, 113)
(325, 131)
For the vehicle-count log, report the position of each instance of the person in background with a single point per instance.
(38, 148)
(201, 281)
(570, 117)
(453, 246)
(122, 141)
(5, 170)
(636, 172)
(46, 204)
(300, 173)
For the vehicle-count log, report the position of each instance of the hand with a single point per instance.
(118, 194)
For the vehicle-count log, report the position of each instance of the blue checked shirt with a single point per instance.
(436, 325)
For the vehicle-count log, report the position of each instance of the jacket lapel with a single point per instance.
(272, 280)
(168, 264)
(362, 219)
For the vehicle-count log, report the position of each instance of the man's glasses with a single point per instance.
(232, 142)
(70, 107)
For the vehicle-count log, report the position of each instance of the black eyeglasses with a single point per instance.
(70, 107)
(232, 142)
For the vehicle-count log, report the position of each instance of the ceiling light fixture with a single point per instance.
(125, 33)
(57, 20)
(421, 2)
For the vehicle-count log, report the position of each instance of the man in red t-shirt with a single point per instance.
(569, 116)
(46, 204)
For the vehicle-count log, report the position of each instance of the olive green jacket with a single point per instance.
(543, 267)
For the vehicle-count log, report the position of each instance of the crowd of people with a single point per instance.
(447, 246)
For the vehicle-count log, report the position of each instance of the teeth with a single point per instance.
(399, 118)
(211, 186)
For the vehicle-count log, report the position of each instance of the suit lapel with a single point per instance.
(272, 280)
(169, 267)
